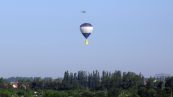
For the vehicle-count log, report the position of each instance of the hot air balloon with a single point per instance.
(86, 29)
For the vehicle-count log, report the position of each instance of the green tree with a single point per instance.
(152, 92)
(87, 94)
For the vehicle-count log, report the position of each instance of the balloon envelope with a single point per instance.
(86, 29)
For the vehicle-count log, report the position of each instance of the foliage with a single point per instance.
(84, 84)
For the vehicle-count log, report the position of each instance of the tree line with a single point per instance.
(92, 81)
(96, 84)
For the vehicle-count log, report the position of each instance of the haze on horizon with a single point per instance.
(42, 38)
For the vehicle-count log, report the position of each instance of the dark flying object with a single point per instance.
(83, 11)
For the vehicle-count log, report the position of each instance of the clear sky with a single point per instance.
(42, 37)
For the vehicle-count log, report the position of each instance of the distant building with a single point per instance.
(162, 76)
(14, 84)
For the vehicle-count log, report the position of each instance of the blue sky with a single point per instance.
(42, 38)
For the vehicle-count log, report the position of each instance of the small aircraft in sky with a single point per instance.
(83, 11)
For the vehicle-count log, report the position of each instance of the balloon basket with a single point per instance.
(86, 42)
